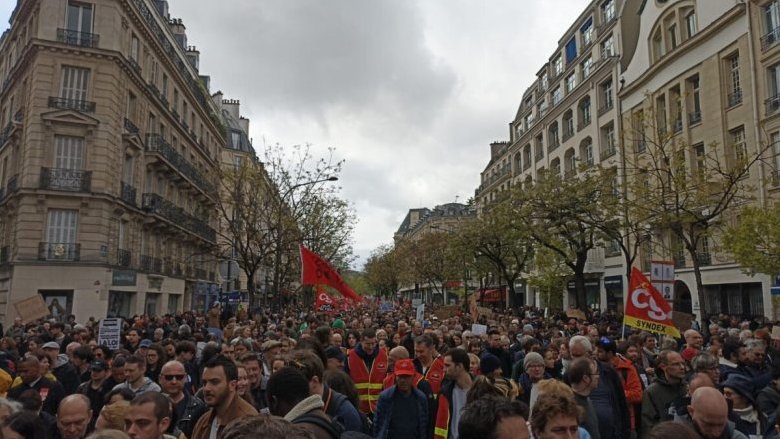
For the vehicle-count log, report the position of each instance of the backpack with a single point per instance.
(334, 429)
(338, 400)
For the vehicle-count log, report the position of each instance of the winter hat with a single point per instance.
(742, 385)
(338, 324)
(531, 359)
(489, 363)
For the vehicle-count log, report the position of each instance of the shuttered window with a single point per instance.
(69, 152)
(74, 83)
(61, 226)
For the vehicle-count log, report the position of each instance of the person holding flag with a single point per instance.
(646, 308)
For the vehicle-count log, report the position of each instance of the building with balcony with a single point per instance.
(567, 121)
(107, 160)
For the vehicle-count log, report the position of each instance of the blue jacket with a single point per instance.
(384, 412)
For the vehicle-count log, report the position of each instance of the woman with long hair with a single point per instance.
(155, 359)
(242, 385)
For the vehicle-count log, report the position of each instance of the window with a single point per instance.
(552, 136)
(587, 67)
(134, 48)
(164, 85)
(132, 104)
(173, 302)
(541, 108)
(571, 161)
(556, 96)
(175, 100)
(585, 115)
(608, 11)
(773, 79)
(659, 50)
(79, 17)
(675, 101)
(586, 151)
(660, 114)
(571, 82)
(74, 83)
(775, 139)
(638, 122)
(586, 32)
(739, 144)
(571, 50)
(701, 159)
(735, 82)
(237, 161)
(151, 123)
(694, 100)
(608, 47)
(235, 138)
(772, 17)
(690, 24)
(608, 137)
(606, 94)
(545, 81)
(68, 152)
(127, 169)
(568, 124)
(527, 156)
(671, 36)
(558, 65)
(61, 229)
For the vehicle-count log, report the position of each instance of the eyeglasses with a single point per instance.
(174, 377)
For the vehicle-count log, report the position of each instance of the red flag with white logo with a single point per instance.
(646, 308)
(325, 303)
(317, 271)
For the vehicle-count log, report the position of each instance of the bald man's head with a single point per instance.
(398, 353)
(700, 380)
(709, 412)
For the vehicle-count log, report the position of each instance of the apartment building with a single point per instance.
(107, 161)
(567, 121)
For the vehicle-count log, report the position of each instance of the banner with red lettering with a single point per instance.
(317, 271)
(646, 308)
(325, 303)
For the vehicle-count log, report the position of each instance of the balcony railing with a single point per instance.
(772, 104)
(4, 254)
(168, 266)
(694, 117)
(128, 194)
(157, 205)
(677, 125)
(608, 152)
(212, 276)
(134, 64)
(76, 38)
(606, 107)
(155, 143)
(13, 184)
(71, 180)
(59, 251)
(71, 104)
(123, 257)
(679, 262)
(770, 39)
(146, 263)
(157, 265)
(130, 127)
(735, 97)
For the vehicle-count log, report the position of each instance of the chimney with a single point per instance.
(162, 8)
(231, 106)
(217, 98)
(206, 80)
(496, 148)
(244, 124)
(193, 57)
(179, 32)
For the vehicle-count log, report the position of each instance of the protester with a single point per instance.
(493, 417)
(402, 410)
(219, 393)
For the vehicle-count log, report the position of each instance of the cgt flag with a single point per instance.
(325, 303)
(646, 308)
(317, 271)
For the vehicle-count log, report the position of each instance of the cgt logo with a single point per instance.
(642, 299)
(325, 298)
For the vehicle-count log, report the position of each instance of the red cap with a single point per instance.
(404, 367)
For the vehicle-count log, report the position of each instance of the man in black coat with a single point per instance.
(29, 370)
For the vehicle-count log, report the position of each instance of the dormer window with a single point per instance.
(558, 65)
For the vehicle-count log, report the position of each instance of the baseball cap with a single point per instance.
(688, 353)
(145, 343)
(98, 365)
(404, 367)
(51, 345)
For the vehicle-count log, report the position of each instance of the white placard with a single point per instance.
(420, 312)
(478, 329)
(110, 333)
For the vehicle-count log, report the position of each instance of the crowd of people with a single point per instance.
(517, 373)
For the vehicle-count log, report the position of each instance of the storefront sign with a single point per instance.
(123, 278)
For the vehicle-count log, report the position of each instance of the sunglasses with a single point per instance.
(174, 377)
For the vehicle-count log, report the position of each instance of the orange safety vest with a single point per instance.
(434, 375)
(442, 427)
(368, 384)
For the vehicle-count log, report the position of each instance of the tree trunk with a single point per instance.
(251, 289)
(579, 282)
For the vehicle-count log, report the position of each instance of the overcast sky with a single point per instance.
(409, 92)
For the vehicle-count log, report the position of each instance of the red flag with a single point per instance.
(646, 308)
(317, 271)
(325, 303)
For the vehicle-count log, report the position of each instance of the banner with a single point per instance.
(325, 303)
(317, 271)
(662, 277)
(110, 333)
(646, 309)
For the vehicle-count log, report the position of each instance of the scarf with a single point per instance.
(313, 402)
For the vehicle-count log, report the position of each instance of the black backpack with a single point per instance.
(338, 400)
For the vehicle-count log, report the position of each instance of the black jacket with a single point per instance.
(194, 409)
(51, 394)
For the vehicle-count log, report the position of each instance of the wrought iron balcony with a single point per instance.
(59, 251)
(606, 107)
(168, 266)
(157, 265)
(134, 64)
(13, 184)
(71, 104)
(128, 194)
(146, 263)
(76, 38)
(155, 143)
(123, 258)
(679, 262)
(157, 205)
(694, 117)
(735, 97)
(4, 254)
(130, 127)
(71, 180)
(772, 104)
(769, 39)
